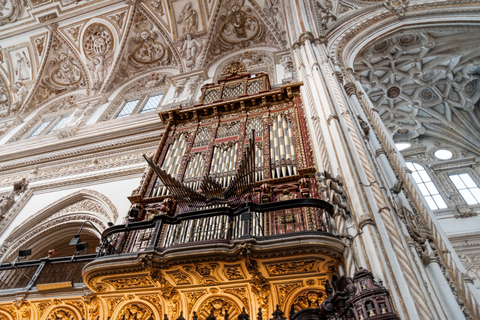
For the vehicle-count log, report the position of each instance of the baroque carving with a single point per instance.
(10, 10)
(291, 267)
(418, 230)
(218, 307)
(62, 73)
(284, 290)
(98, 46)
(309, 299)
(133, 282)
(145, 50)
(61, 314)
(135, 311)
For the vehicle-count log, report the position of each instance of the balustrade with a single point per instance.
(220, 223)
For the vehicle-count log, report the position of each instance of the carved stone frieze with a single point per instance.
(131, 282)
(292, 267)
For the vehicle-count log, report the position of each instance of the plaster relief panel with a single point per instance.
(40, 43)
(4, 99)
(187, 17)
(72, 33)
(21, 68)
(98, 48)
(63, 72)
(148, 49)
(118, 20)
(9, 10)
(239, 26)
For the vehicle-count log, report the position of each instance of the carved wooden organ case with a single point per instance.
(211, 137)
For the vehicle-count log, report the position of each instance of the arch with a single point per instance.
(53, 108)
(255, 60)
(67, 311)
(302, 298)
(135, 307)
(66, 215)
(219, 303)
(6, 315)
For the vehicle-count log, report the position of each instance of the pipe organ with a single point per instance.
(210, 139)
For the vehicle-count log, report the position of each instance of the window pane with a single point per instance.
(439, 201)
(426, 186)
(467, 187)
(431, 203)
(457, 182)
(127, 108)
(152, 103)
(431, 188)
(410, 166)
(423, 189)
(468, 180)
(40, 128)
(424, 175)
(59, 123)
(467, 195)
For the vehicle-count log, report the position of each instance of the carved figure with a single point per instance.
(39, 45)
(188, 19)
(22, 66)
(148, 50)
(19, 94)
(98, 72)
(190, 49)
(239, 27)
(24, 312)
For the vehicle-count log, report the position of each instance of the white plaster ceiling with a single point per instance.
(426, 83)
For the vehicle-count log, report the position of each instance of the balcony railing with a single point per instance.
(27, 274)
(220, 224)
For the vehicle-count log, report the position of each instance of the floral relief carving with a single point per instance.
(61, 314)
(284, 290)
(62, 73)
(291, 267)
(217, 306)
(132, 282)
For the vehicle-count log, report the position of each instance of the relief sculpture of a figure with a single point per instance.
(188, 19)
(22, 67)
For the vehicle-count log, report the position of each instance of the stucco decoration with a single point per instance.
(62, 73)
(240, 25)
(5, 99)
(10, 10)
(254, 61)
(82, 205)
(98, 46)
(148, 48)
(406, 78)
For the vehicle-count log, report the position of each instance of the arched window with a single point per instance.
(427, 187)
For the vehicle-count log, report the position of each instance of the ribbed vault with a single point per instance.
(426, 83)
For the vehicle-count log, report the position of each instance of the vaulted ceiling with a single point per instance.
(425, 83)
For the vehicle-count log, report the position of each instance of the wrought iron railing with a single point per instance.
(220, 224)
(27, 274)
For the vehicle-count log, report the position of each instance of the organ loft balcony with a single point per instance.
(230, 205)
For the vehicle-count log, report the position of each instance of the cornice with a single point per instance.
(64, 14)
(105, 138)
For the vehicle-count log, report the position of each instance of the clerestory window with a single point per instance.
(428, 189)
(139, 105)
(467, 187)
